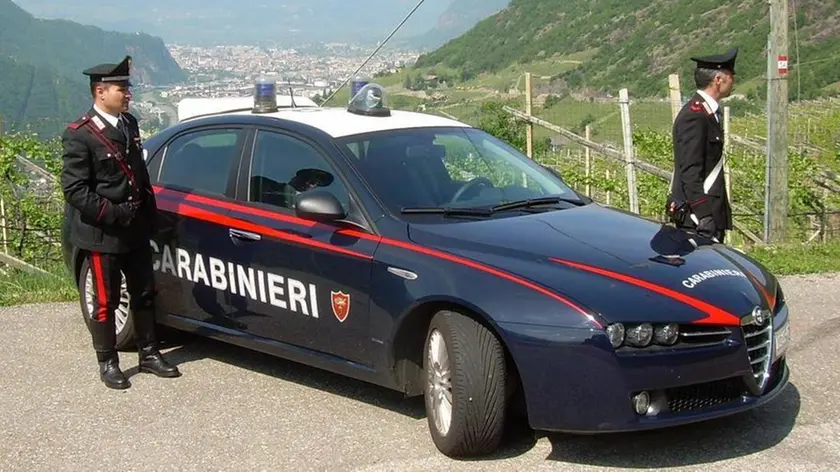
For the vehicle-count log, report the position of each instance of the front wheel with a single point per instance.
(465, 386)
(122, 315)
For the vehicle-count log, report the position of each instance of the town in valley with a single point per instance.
(232, 70)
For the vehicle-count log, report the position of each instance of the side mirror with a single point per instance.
(319, 205)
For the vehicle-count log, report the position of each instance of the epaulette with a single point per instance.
(79, 123)
(698, 106)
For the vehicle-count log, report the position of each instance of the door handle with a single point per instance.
(245, 235)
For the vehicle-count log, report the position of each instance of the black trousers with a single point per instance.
(719, 234)
(107, 271)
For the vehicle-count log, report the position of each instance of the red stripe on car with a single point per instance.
(170, 193)
(771, 299)
(210, 217)
(714, 315)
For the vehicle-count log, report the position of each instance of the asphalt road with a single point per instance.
(238, 410)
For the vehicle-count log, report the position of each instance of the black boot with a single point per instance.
(152, 361)
(104, 338)
(109, 370)
(150, 358)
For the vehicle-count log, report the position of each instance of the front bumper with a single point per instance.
(574, 381)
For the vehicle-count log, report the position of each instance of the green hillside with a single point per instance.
(638, 43)
(38, 98)
(457, 20)
(41, 63)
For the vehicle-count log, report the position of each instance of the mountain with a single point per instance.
(38, 98)
(459, 18)
(287, 23)
(638, 43)
(41, 63)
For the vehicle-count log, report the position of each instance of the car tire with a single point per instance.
(464, 364)
(124, 325)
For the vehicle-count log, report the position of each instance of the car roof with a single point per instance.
(336, 122)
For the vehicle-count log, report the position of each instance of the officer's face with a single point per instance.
(115, 97)
(725, 82)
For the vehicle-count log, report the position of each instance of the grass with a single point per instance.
(20, 288)
(797, 259)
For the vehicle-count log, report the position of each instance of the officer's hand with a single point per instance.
(706, 227)
(126, 212)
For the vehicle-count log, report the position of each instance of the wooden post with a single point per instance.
(624, 101)
(588, 162)
(3, 225)
(734, 238)
(529, 131)
(824, 219)
(776, 186)
(609, 194)
(727, 149)
(676, 95)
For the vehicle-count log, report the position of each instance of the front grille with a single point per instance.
(705, 395)
(759, 340)
(701, 335)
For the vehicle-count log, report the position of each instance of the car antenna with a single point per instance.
(292, 96)
(374, 52)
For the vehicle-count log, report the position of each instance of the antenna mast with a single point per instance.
(374, 52)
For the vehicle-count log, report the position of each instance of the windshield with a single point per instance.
(448, 168)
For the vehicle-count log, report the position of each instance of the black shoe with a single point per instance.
(112, 376)
(151, 361)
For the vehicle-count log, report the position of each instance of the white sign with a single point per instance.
(700, 277)
(282, 292)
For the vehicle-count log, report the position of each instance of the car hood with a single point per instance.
(616, 265)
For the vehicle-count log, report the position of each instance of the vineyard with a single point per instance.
(813, 154)
(31, 266)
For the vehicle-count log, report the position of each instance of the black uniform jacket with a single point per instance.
(698, 163)
(103, 178)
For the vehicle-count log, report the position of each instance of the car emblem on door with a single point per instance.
(340, 305)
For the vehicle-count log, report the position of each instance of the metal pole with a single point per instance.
(374, 52)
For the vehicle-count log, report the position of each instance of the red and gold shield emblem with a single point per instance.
(340, 305)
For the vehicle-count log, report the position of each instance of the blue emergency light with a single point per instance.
(265, 95)
(371, 100)
(358, 83)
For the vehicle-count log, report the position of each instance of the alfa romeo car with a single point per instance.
(425, 255)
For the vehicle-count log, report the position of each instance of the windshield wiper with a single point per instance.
(448, 211)
(478, 211)
(534, 202)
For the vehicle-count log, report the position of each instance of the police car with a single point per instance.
(427, 256)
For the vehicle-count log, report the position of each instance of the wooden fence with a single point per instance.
(825, 178)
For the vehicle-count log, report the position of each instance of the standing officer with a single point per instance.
(698, 187)
(112, 212)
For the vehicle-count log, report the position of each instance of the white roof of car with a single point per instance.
(337, 122)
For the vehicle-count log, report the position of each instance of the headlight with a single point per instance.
(666, 334)
(616, 334)
(640, 336)
(643, 335)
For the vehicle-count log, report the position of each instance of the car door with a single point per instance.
(195, 174)
(300, 283)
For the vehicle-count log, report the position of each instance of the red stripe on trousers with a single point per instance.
(101, 296)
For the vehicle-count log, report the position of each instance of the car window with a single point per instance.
(283, 167)
(202, 160)
(447, 167)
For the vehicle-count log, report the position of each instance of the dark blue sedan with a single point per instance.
(424, 255)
